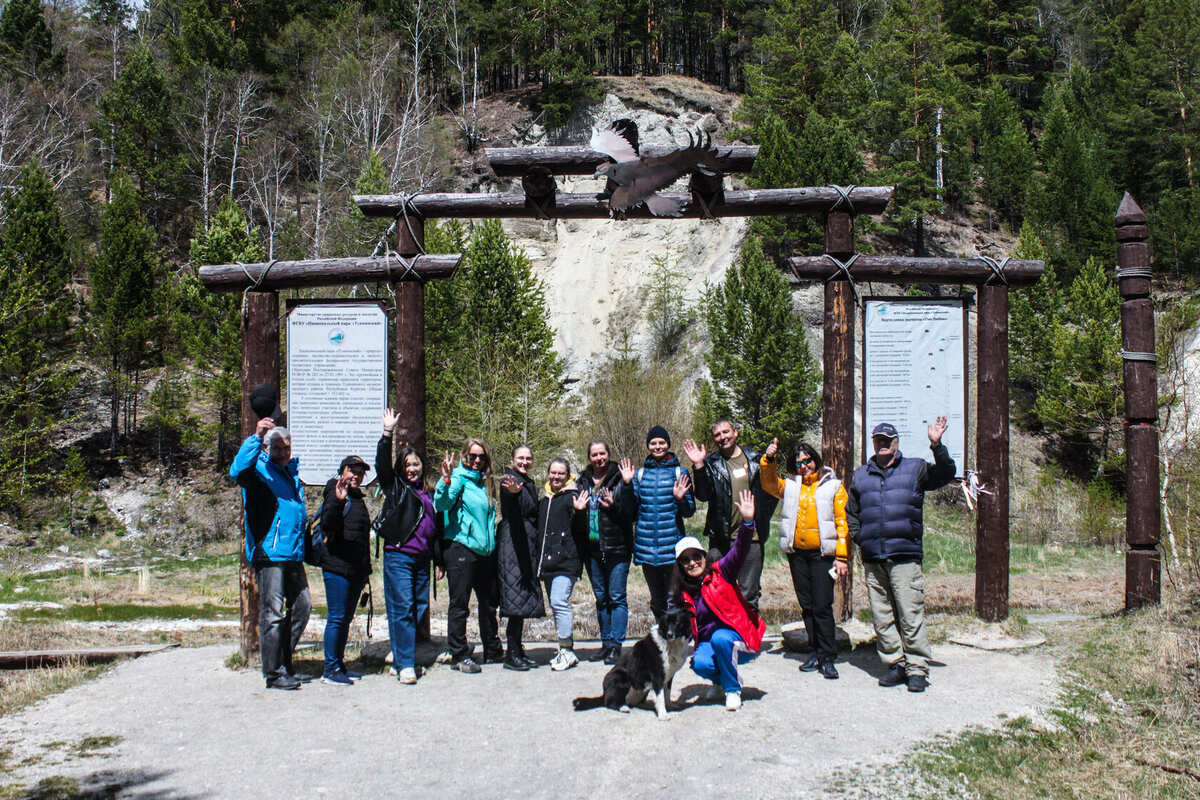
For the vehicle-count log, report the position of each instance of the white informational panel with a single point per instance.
(915, 370)
(336, 385)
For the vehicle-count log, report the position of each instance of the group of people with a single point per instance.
(513, 546)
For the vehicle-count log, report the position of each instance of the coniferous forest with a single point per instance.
(138, 142)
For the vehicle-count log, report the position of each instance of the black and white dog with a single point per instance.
(646, 669)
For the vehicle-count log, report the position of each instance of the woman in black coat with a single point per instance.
(516, 542)
(346, 565)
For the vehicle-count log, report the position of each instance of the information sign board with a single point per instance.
(915, 370)
(336, 385)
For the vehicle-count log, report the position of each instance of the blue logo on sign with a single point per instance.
(336, 336)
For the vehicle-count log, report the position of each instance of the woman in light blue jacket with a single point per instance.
(469, 554)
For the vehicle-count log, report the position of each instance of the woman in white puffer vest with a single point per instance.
(813, 534)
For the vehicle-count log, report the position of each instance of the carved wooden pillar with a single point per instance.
(1142, 512)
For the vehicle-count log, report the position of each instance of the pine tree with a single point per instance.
(35, 304)
(1081, 405)
(213, 336)
(762, 374)
(1005, 155)
(1034, 313)
(918, 115)
(497, 374)
(24, 36)
(126, 278)
(138, 114)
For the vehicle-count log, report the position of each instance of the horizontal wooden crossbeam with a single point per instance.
(511, 162)
(905, 269)
(813, 200)
(328, 272)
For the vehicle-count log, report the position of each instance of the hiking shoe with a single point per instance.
(303, 677)
(894, 676)
(495, 657)
(828, 671)
(614, 655)
(563, 659)
(283, 682)
(811, 665)
(467, 665)
(733, 701)
(515, 662)
(917, 683)
(336, 679)
(599, 655)
(351, 674)
(407, 676)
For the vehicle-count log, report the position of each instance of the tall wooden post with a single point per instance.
(410, 341)
(837, 400)
(260, 364)
(410, 359)
(991, 525)
(1142, 512)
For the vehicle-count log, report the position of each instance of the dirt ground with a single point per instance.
(181, 725)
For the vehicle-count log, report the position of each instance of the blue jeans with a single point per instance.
(714, 659)
(406, 593)
(341, 598)
(559, 588)
(612, 606)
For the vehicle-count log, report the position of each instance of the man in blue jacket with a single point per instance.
(885, 516)
(275, 518)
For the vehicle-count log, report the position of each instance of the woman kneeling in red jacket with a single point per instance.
(726, 630)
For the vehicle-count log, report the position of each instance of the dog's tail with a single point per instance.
(588, 703)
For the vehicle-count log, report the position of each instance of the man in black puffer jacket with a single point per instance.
(885, 514)
(720, 477)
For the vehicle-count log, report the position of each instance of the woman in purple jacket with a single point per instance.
(409, 535)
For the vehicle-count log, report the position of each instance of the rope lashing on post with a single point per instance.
(408, 264)
(843, 197)
(1134, 272)
(381, 247)
(997, 268)
(254, 284)
(540, 206)
(404, 209)
(1131, 355)
(972, 487)
(843, 269)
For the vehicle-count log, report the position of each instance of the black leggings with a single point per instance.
(814, 593)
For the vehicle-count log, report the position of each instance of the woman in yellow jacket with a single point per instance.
(813, 534)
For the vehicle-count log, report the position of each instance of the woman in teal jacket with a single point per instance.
(469, 554)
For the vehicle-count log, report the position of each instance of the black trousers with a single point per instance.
(658, 581)
(283, 609)
(814, 593)
(466, 572)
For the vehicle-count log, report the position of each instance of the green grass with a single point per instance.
(125, 612)
(1127, 710)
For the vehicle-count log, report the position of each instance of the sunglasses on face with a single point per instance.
(687, 561)
(475, 456)
(804, 462)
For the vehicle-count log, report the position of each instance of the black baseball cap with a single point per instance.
(354, 462)
(885, 429)
(264, 401)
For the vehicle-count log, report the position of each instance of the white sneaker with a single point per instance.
(408, 675)
(445, 658)
(733, 701)
(563, 659)
(392, 671)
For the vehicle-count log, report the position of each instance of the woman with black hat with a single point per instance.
(346, 565)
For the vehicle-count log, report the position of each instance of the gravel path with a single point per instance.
(186, 726)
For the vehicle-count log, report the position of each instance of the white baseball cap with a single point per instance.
(688, 543)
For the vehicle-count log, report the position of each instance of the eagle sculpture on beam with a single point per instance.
(634, 180)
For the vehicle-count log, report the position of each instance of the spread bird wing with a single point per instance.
(610, 142)
(648, 175)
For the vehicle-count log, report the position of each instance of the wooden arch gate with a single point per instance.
(838, 268)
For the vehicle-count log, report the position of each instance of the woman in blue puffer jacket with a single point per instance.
(661, 493)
